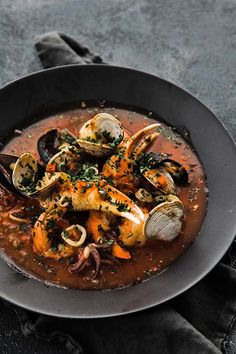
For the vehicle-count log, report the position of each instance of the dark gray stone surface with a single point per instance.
(189, 42)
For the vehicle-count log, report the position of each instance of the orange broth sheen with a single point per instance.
(16, 240)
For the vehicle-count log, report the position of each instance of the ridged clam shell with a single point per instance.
(165, 220)
(98, 124)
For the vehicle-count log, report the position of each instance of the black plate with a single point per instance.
(45, 91)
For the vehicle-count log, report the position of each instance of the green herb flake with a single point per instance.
(50, 224)
(122, 207)
(65, 234)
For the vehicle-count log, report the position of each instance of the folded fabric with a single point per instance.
(55, 49)
(201, 320)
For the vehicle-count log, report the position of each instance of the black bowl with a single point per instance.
(23, 100)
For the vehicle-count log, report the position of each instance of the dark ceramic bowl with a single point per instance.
(50, 90)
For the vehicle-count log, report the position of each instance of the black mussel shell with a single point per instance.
(176, 170)
(6, 172)
(151, 160)
(7, 185)
(5, 165)
(48, 145)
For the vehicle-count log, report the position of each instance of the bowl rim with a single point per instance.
(196, 279)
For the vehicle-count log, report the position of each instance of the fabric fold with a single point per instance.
(161, 330)
(56, 49)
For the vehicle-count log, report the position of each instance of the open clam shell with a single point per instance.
(7, 163)
(100, 135)
(26, 177)
(165, 220)
(45, 186)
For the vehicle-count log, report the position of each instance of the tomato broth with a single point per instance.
(154, 257)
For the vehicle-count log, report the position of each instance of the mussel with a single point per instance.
(29, 180)
(162, 172)
(100, 135)
(152, 160)
(176, 170)
(161, 180)
(49, 144)
(7, 163)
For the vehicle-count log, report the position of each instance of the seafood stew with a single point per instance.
(99, 198)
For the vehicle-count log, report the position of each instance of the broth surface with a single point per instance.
(16, 239)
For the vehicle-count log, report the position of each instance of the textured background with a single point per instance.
(189, 42)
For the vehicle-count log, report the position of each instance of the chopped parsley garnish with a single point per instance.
(115, 141)
(50, 224)
(104, 137)
(110, 181)
(53, 248)
(65, 135)
(27, 182)
(65, 233)
(123, 207)
(110, 242)
(84, 188)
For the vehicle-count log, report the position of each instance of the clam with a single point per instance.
(100, 135)
(165, 221)
(28, 179)
(49, 144)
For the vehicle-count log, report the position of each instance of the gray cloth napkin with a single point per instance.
(55, 49)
